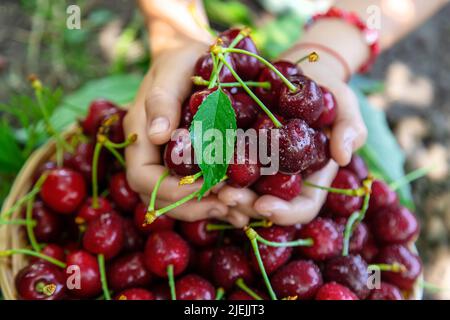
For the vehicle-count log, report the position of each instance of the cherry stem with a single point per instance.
(199, 81)
(61, 143)
(190, 179)
(95, 159)
(216, 71)
(151, 205)
(220, 293)
(285, 80)
(29, 215)
(395, 267)
(32, 253)
(192, 7)
(18, 222)
(220, 227)
(170, 276)
(130, 140)
(275, 121)
(410, 177)
(312, 57)
(357, 216)
(297, 243)
(101, 268)
(30, 195)
(241, 285)
(116, 155)
(252, 235)
(347, 192)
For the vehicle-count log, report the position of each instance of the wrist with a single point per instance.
(341, 47)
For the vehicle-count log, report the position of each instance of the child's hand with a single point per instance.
(154, 115)
(348, 134)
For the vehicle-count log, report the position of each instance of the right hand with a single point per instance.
(154, 115)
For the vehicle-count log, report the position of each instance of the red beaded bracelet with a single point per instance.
(371, 36)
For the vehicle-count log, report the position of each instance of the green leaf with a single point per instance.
(11, 158)
(120, 89)
(279, 35)
(381, 152)
(213, 156)
(228, 13)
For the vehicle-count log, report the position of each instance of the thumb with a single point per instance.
(168, 89)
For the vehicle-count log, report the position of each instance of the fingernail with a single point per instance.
(159, 125)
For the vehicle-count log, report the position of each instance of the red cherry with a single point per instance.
(81, 161)
(122, 194)
(381, 197)
(394, 225)
(128, 271)
(194, 287)
(326, 236)
(89, 275)
(163, 222)
(329, 112)
(104, 235)
(246, 66)
(202, 263)
(98, 111)
(46, 166)
(196, 232)
(228, 265)
(322, 153)
(48, 224)
(244, 170)
(264, 122)
(135, 294)
(297, 148)
(204, 67)
(179, 155)
(299, 278)
(305, 103)
(246, 110)
(198, 97)
(386, 291)
(51, 250)
(280, 185)
(64, 190)
(164, 248)
(343, 205)
(359, 235)
(31, 280)
(270, 96)
(273, 257)
(334, 291)
(370, 249)
(358, 167)
(133, 240)
(186, 115)
(401, 255)
(88, 213)
(350, 271)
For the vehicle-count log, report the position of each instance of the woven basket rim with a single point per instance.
(11, 236)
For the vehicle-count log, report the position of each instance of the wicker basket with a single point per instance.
(13, 236)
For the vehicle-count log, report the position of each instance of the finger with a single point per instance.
(143, 159)
(349, 131)
(208, 208)
(305, 207)
(241, 199)
(237, 219)
(170, 86)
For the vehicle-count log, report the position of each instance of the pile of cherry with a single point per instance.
(101, 246)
